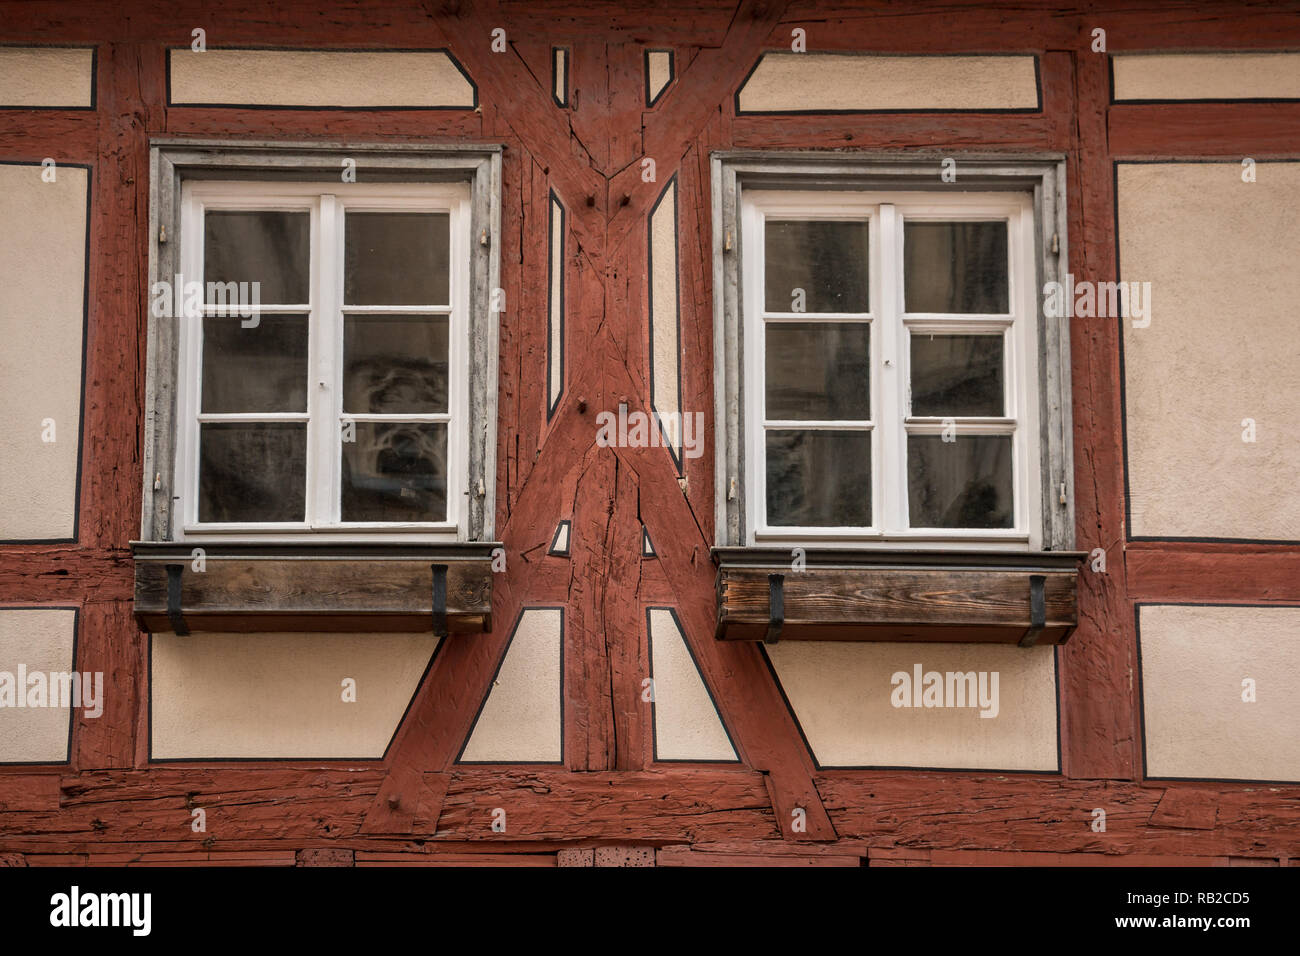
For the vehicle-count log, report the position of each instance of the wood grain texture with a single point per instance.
(1215, 573)
(684, 806)
(1258, 130)
(28, 792)
(919, 815)
(1098, 707)
(891, 604)
(244, 595)
(1050, 815)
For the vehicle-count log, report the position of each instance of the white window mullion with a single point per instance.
(755, 450)
(892, 371)
(323, 430)
(458, 361)
(875, 294)
(1022, 375)
(191, 352)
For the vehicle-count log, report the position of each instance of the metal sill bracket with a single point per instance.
(440, 600)
(775, 607)
(1037, 609)
(179, 627)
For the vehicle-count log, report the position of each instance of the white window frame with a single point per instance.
(886, 211)
(328, 203)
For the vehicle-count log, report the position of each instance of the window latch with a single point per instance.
(440, 600)
(775, 607)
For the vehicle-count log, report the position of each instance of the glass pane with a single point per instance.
(955, 267)
(252, 471)
(960, 484)
(270, 248)
(819, 478)
(258, 369)
(956, 375)
(396, 258)
(826, 259)
(818, 370)
(394, 364)
(395, 471)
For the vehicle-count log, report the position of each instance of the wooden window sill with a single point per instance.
(941, 596)
(249, 587)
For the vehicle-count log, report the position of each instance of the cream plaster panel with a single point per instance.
(687, 725)
(824, 82)
(46, 76)
(660, 72)
(561, 538)
(318, 78)
(42, 301)
(281, 695)
(1194, 660)
(663, 278)
(841, 693)
(42, 640)
(1206, 76)
(1221, 348)
(522, 720)
(556, 355)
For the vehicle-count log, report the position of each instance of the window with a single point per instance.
(341, 404)
(327, 370)
(887, 338)
(886, 376)
(320, 405)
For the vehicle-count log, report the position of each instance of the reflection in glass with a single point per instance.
(818, 371)
(955, 267)
(957, 375)
(257, 369)
(396, 258)
(270, 248)
(825, 258)
(818, 478)
(395, 471)
(252, 471)
(964, 483)
(395, 364)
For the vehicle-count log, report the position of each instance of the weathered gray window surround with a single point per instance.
(1041, 174)
(174, 160)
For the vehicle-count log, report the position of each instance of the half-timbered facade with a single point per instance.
(561, 433)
